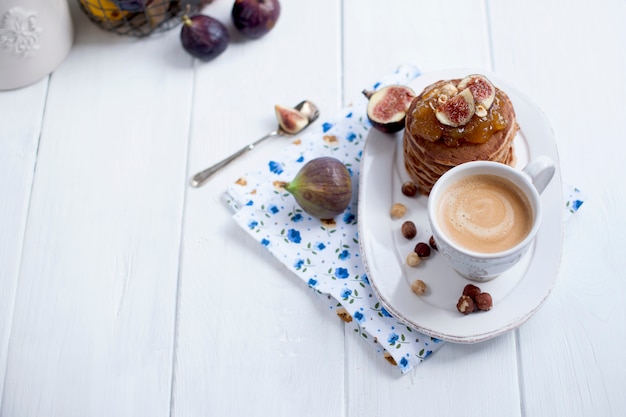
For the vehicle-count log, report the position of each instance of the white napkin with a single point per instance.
(326, 255)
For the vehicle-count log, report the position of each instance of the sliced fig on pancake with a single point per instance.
(457, 110)
(482, 89)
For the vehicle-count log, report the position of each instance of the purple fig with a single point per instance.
(322, 187)
(387, 107)
(204, 37)
(255, 18)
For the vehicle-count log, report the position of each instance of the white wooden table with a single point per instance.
(124, 292)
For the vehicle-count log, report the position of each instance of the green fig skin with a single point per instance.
(322, 187)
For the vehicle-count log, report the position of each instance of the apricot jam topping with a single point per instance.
(477, 130)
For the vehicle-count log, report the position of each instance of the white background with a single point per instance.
(124, 292)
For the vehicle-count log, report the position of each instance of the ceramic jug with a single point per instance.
(35, 37)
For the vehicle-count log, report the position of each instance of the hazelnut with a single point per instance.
(471, 290)
(422, 250)
(344, 315)
(465, 304)
(409, 189)
(418, 287)
(412, 259)
(409, 230)
(432, 243)
(484, 301)
(481, 110)
(449, 89)
(398, 210)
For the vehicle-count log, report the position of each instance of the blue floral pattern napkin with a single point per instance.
(326, 254)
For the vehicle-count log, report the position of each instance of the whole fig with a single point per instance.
(322, 187)
(204, 37)
(255, 18)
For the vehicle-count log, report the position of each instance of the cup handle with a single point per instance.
(540, 170)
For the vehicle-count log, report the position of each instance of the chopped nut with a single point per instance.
(449, 89)
(409, 231)
(471, 290)
(398, 210)
(418, 287)
(484, 301)
(409, 189)
(390, 359)
(344, 315)
(480, 111)
(412, 259)
(432, 243)
(422, 250)
(465, 304)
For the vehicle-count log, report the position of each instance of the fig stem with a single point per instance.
(368, 93)
(281, 184)
(186, 20)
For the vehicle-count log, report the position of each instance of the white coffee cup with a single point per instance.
(470, 241)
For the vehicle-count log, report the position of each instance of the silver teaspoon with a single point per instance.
(307, 108)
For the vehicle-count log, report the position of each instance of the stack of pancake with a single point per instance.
(427, 157)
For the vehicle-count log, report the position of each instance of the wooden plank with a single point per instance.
(380, 37)
(251, 335)
(572, 351)
(428, 37)
(21, 114)
(93, 326)
(475, 379)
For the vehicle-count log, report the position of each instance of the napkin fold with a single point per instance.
(326, 254)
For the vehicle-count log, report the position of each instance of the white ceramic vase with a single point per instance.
(35, 37)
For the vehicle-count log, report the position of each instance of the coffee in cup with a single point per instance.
(484, 215)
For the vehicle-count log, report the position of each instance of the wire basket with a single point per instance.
(139, 18)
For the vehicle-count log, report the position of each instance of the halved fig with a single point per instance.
(387, 107)
(482, 89)
(290, 120)
(457, 110)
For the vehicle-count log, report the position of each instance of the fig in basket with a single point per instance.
(132, 5)
(322, 187)
(104, 10)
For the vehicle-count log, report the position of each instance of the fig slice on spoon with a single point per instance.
(387, 107)
(290, 119)
(457, 110)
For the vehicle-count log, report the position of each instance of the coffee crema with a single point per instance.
(485, 213)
